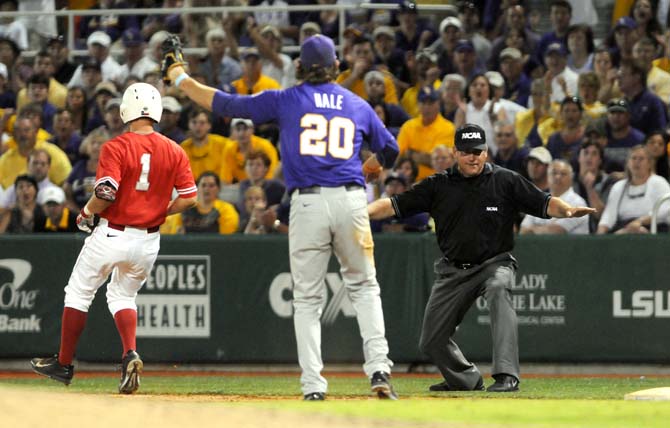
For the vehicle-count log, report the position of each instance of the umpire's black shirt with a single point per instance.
(474, 216)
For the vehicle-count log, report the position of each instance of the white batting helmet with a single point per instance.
(141, 100)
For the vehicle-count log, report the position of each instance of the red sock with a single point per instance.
(126, 323)
(73, 324)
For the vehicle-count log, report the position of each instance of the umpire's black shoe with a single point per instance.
(444, 386)
(51, 368)
(504, 383)
(131, 368)
(380, 383)
(314, 396)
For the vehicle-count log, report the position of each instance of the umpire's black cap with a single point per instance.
(470, 137)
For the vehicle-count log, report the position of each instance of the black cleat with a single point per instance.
(314, 396)
(504, 383)
(380, 383)
(445, 387)
(131, 368)
(51, 368)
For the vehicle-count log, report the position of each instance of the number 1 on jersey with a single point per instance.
(143, 183)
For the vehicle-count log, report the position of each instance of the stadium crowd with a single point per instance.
(583, 117)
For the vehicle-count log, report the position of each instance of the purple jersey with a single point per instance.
(321, 127)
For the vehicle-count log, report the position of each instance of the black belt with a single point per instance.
(461, 265)
(313, 190)
(122, 227)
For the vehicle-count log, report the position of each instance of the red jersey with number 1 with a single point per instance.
(143, 169)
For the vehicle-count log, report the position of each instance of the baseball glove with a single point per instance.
(172, 56)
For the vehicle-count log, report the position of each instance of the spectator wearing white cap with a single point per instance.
(98, 44)
(511, 108)
(537, 165)
(389, 56)
(451, 31)
(59, 218)
(218, 67)
(308, 29)
(244, 142)
(517, 83)
(137, 63)
(276, 64)
(169, 124)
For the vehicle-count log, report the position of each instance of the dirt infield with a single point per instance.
(30, 408)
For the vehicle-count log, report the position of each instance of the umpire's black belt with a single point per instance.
(312, 190)
(463, 265)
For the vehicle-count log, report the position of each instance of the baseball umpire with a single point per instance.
(322, 127)
(136, 175)
(474, 205)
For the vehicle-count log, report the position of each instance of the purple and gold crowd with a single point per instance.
(583, 116)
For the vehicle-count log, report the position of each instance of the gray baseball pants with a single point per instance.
(335, 219)
(454, 291)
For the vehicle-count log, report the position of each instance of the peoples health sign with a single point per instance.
(175, 301)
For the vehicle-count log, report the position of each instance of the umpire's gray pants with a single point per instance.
(453, 293)
(336, 220)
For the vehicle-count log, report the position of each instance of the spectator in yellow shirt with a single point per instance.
(57, 92)
(211, 214)
(418, 136)
(363, 61)
(14, 162)
(253, 80)
(658, 81)
(204, 150)
(427, 73)
(244, 142)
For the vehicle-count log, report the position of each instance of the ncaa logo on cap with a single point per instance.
(470, 137)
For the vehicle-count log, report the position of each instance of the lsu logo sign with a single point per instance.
(281, 299)
(175, 301)
(641, 304)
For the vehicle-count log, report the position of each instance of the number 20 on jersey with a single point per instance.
(321, 136)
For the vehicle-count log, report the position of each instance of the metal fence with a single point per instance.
(223, 11)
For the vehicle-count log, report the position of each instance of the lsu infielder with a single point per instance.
(136, 174)
(322, 127)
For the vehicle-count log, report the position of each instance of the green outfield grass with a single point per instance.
(542, 402)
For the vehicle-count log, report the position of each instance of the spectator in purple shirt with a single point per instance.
(621, 137)
(565, 144)
(65, 135)
(560, 13)
(414, 33)
(647, 111)
(396, 184)
(517, 83)
(509, 154)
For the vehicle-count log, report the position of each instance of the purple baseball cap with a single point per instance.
(317, 50)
